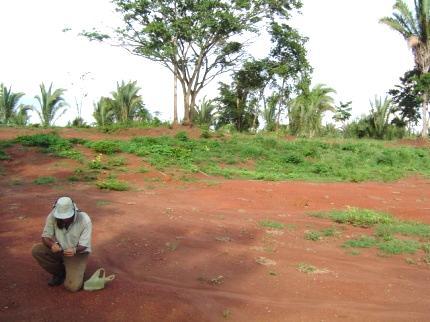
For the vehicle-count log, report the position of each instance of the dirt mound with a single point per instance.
(96, 134)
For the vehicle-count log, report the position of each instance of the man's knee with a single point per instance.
(73, 285)
(38, 250)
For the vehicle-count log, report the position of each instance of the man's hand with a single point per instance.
(55, 248)
(69, 252)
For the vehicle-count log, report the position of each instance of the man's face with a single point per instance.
(61, 223)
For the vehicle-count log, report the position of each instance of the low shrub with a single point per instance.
(105, 147)
(113, 184)
(44, 180)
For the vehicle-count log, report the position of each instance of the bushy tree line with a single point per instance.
(125, 106)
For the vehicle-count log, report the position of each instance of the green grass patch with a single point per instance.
(3, 145)
(312, 235)
(44, 180)
(269, 158)
(116, 162)
(361, 242)
(84, 175)
(357, 217)
(51, 143)
(386, 230)
(404, 228)
(272, 224)
(399, 246)
(104, 146)
(330, 232)
(113, 184)
(143, 170)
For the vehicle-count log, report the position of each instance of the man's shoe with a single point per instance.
(56, 280)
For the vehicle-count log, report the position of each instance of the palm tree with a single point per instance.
(308, 108)
(127, 102)
(204, 114)
(269, 112)
(103, 111)
(8, 102)
(51, 103)
(379, 116)
(20, 116)
(415, 28)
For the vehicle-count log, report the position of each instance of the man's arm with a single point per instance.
(52, 245)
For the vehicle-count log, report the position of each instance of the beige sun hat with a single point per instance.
(64, 208)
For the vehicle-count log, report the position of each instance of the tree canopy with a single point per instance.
(195, 39)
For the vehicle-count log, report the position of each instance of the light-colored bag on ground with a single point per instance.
(97, 282)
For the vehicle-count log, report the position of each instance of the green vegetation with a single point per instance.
(116, 162)
(51, 143)
(267, 158)
(113, 184)
(398, 246)
(3, 145)
(306, 268)
(10, 111)
(318, 235)
(357, 217)
(105, 147)
(312, 235)
(84, 175)
(361, 242)
(51, 104)
(44, 180)
(272, 224)
(414, 25)
(386, 230)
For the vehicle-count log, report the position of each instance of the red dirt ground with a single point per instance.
(187, 251)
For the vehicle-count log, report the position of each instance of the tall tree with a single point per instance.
(406, 100)
(289, 66)
(8, 103)
(414, 26)
(197, 40)
(51, 104)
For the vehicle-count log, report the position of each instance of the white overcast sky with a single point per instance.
(348, 49)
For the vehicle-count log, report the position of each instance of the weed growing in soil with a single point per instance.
(306, 268)
(116, 161)
(272, 224)
(356, 217)
(3, 145)
(268, 158)
(399, 246)
(113, 184)
(51, 143)
(104, 146)
(44, 180)
(84, 175)
(361, 242)
(312, 235)
(385, 231)
(317, 235)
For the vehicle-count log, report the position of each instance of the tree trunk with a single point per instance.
(186, 120)
(175, 96)
(425, 129)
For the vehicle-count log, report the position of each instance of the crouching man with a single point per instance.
(66, 245)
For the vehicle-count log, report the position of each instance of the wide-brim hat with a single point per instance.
(64, 208)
